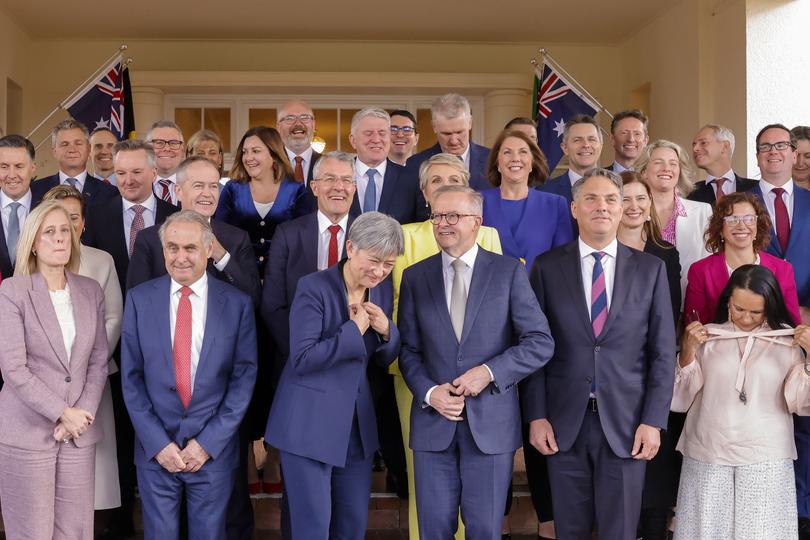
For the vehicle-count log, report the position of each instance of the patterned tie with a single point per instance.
(370, 198)
(458, 298)
(333, 245)
(13, 232)
(73, 182)
(782, 219)
(106, 181)
(165, 194)
(299, 169)
(719, 182)
(137, 225)
(182, 347)
(599, 307)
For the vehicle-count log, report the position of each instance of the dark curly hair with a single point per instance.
(725, 207)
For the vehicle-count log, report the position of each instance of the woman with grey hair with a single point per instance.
(322, 419)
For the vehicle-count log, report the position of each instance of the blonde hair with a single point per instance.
(27, 263)
(686, 176)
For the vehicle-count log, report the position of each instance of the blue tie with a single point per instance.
(13, 232)
(370, 198)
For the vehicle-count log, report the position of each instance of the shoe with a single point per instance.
(254, 488)
(804, 528)
(506, 536)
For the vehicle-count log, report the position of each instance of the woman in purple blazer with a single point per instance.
(738, 233)
(53, 354)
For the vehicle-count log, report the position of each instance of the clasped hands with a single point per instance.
(367, 314)
(189, 459)
(645, 444)
(72, 424)
(448, 398)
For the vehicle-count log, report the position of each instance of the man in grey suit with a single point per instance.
(597, 408)
(471, 330)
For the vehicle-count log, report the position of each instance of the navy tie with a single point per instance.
(370, 198)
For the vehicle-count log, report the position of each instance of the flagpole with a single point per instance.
(61, 105)
(548, 58)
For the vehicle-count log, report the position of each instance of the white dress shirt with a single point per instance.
(63, 307)
(22, 211)
(129, 215)
(465, 157)
(573, 177)
(81, 178)
(324, 236)
(587, 262)
(618, 168)
(199, 311)
(362, 180)
(729, 187)
(111, 179)
(306, 156)
(769, 197)
(157, 189)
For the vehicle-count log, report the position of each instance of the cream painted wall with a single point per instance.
(14, 44)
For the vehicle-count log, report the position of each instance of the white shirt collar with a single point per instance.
(766, 187)
(199, 287)
(465, 156)
(81, 177)
(573, 177)
(324, 223)
(585, 250)
(24, 201)
(619, 168)
(468, 257)
(729, 175)
(149, 203)
(361, 168)
(306, 154)
(172, 178)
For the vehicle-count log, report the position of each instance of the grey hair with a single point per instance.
(476, 199)
(450, 106)
(133, 145)
(164, 124)
(65, 125)
(375, 112)
(722, 134)
(188, 162)
(188, 216)
(343, 157)
(377, 233)
(442, 159)
(604, 173)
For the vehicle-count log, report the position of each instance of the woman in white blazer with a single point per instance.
(666, 168)
(99, 265)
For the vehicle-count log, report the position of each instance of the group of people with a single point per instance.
(641, 336)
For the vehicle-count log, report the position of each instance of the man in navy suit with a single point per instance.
(17, 166)
(295, 123)
(452, 122)
(597, 408)
(166, 138)
(188, 370)
(404, 136)
(712, 150)
(582, 143)
(102, 145)
(471, 330)
(382, 185)
(628, 136)
(70, 142)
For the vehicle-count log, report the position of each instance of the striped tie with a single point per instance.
(599, 307)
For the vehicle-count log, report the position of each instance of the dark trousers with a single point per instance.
(121, 521)
(537, 476)
(801, 431)
(389, 430)
(592, 485)
(239, 515)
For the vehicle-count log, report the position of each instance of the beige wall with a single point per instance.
(14, 64)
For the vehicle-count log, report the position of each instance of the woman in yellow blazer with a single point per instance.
(439, 170)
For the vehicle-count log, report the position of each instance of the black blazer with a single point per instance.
(399, 198)
(147, 260)
(104, 229)
(672, 262)
(95, 191)
(704, 192)
(6, 266)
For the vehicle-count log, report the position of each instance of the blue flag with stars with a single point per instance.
(555, 102)
(101, 102)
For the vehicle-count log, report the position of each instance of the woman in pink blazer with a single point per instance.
(53, 355)
(738, 233)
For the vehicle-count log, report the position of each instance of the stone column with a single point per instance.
(500, 106)
(148, 103)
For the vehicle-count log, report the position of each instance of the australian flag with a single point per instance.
(555, 102)
(101, 103)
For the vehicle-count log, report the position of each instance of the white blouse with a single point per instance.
(64, 314)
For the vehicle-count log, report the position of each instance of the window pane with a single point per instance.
(219, 121)
(346, 128)
(326, 127)
(261, 117)
(189, 120)
(426, 136)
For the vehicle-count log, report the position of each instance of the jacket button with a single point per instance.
(596, 349)
(67, 379)
(588, 379)
(173, 388)
(261, 223)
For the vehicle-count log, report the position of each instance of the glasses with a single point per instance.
(335, 180)
(292, 118)
(451, 217)
(174, 144)
(767, 147)
(748, 219)
(405, 130)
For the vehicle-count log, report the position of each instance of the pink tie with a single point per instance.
(136, 227)
(182, 347)
(599, 308)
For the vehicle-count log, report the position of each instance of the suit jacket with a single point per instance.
(323, 386)
(545, 224)
(704, 192)
(399, 198)
(104, 229)
(672, 263)
(40, 380)
(293, 255)
(147, 260)
(503, 327)
(559, 185)
(223, 384)
(307, 202)
(708, 277)
(689, 240)
(478, 165)
(633, 359)
(95, 191)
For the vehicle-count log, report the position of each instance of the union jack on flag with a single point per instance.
(101, 103)
(555, 102)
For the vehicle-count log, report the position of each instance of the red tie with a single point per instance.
(333, 248)
(165, 194)
(182, 347)
(782, 220)
(719, 182)
(299, 169)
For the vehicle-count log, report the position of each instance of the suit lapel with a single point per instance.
(482, 273)
(718, 273)
(798, 227)
(572, 275)
(160, 299)
(623, 276)
(508, 240)
(213, 321)
(774, 247)
(388, 188)
(83, 312)
(435, 283)
(41, 300)
(308, 237)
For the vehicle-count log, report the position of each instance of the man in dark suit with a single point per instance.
(71, 147)
(382, 185)
(452, 122)
(582, 143)
(102, 145)
(295, 122)
(471, 330)
(17, 166)
(187, 412)
(167, 140)
(232, 254)
(628, 136)
(404, 136)
(712, 149)
(597, 408)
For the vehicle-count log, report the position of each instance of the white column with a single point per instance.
(500, 106)
(148, 103)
